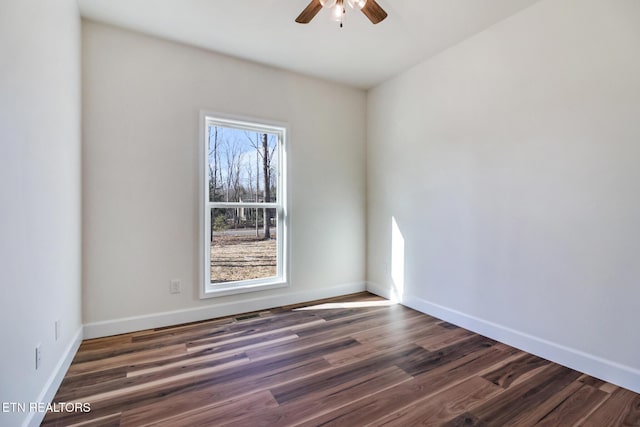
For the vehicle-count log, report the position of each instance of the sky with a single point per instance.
(240, 145)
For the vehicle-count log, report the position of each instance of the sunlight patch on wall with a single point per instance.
(397, 262)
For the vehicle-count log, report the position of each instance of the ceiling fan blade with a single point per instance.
(309, 12)
(374, 12)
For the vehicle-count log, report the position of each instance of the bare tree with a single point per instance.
(237, 178)
(267, 185)
(232, 178)
(252, 196)
(231, 155)
(213, 170)
(261, 145)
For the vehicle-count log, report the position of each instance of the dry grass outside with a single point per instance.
(242, 258)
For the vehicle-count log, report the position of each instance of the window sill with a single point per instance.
(220, 290)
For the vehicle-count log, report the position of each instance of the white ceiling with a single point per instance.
(360, 54)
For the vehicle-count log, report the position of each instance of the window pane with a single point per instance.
(239, 249)
(243, 165)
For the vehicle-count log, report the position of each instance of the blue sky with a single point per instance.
(239, 147)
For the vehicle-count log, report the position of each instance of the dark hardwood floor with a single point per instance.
(349, 361)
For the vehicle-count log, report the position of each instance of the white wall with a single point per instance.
(39, 197)
(141, 98)
(510, 165)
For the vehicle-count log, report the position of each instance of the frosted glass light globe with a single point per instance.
(337, 13)
(356, 4)
(328, 3)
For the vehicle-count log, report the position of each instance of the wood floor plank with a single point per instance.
(506, 375)
(343, 313)
(274, 349)
(608, 387)
(189, 335)
(327, 331)
(440, 337)
(185, 360)
(622, 408)
(357, 322)
(328, 379)
(347, 361)
(383, 340)
(520, 401)
(272, 323)
(411, 328)
(106, 421)
(593, 382)
(444, 406)
(324, 400)
(466, 420)
(358, 296)
(423, 362)
(109, 420)
(151, 379)
(168, 337)
(260, 375)
(93, 377)
(244, 344)
(178, 330)
(574, 408)
(424, 386)
(104, 343)
(220, 414)
(126, 359)
(211, 391)
(534, 414)
(96, 355)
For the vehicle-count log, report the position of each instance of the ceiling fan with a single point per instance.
(370, 8)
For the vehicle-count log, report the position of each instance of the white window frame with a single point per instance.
(208, 289)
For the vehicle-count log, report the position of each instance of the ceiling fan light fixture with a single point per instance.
(328, 3)
(357, 4)
(370, 8)
(337, 13)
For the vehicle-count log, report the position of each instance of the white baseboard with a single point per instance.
(34, 419)
(607, 370)
(374, 288)
(157, 320)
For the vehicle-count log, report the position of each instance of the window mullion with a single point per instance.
(234, 205)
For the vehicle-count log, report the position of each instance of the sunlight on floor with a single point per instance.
(353, 304)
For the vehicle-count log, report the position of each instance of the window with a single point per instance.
(244, 218)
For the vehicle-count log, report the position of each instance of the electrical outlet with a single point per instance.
(175, 287)
(38, 356)
(57, 329)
